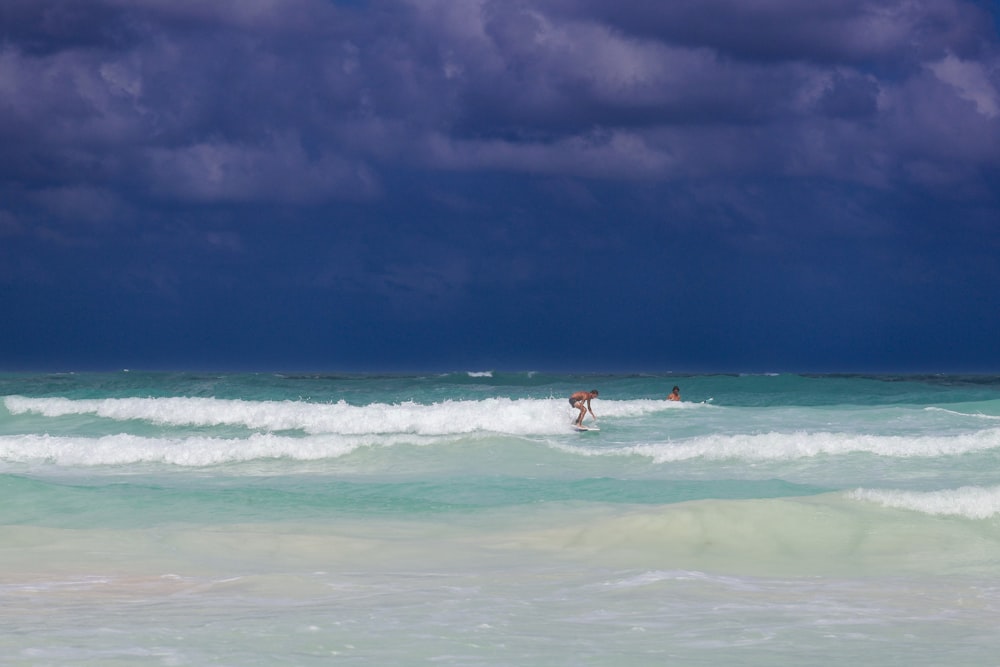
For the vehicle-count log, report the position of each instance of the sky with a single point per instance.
(565, 185)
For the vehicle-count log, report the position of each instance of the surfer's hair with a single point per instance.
(594, 392)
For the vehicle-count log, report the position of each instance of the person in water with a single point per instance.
(581, 401)
(675, 395)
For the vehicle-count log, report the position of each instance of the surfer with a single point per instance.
(675, 395)
(581, 401)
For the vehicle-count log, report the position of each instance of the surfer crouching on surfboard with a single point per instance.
(581, 401)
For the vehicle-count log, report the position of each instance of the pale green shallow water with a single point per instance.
(195, 519)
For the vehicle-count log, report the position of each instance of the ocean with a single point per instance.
(457, 519)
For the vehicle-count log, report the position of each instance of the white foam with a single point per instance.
(654, 577)
(973, 502)
(789, 446)
(123, 448)
(497, 415)
(974, 415)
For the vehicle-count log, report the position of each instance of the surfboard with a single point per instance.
(585, 428)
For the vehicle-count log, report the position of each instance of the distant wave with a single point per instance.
(498, 415)
(972, 502)
(975, 415)
(123, 449)
(534, 418)
(790, 446)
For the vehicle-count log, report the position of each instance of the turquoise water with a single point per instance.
(261, 519)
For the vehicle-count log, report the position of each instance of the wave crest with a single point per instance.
(972, 502)
(497, 415)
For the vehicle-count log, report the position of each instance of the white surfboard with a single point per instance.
(586, 428)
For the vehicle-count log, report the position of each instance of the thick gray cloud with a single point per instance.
(307, 100)
(896, 33)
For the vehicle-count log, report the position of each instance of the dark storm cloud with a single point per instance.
(45, 27)
(891, 34)
(460, 148)
(220, 102)
(301, 101)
